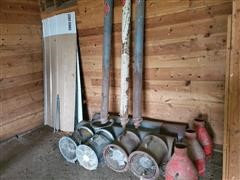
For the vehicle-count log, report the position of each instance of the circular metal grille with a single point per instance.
(91, 153)
(115, 158)
(87, 157)
(143, 165)
(67, 148)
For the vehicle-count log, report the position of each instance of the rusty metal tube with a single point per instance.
(126, 15)
(108, 16)
(138, 64)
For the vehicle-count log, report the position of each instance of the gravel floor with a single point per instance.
(36, 156)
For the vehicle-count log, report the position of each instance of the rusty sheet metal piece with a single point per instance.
(138, 64)
(108, 16)
(126, 16)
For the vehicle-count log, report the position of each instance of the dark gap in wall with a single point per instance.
(48, 5)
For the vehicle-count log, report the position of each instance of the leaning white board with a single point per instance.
(79, 93)
(60, 71)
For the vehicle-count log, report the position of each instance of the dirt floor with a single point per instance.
(36, 156)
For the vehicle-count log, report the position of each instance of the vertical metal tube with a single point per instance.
(138, 64)
(108, 10)
(126, 15)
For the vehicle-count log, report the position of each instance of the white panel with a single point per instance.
(66, 23)
(59, 24)
(60, 45)
(79, 92)
(53, 25)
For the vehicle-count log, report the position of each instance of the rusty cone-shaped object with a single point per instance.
(203, 136)
(144, 163)
(116, 154)
(180, 166)
(195, 151)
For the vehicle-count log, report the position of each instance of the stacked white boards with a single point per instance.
(61, 72)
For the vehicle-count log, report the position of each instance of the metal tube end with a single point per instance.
(137, 122)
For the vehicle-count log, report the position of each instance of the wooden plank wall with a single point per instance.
(21, 84)
(185, 52)
(231, 154)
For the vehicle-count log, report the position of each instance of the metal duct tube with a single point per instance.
(90, 154)
(108, 10)
(116, 154)
(83, 132)
(126, 15)
(138, 64)
(144, 163)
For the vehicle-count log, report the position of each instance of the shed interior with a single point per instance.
(191, 67)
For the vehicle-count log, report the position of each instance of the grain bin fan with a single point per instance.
(83, 132)
(144, 163)
(116, 154)
(68, 145)
(89, 154)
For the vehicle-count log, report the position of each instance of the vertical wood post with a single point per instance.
(232, 109)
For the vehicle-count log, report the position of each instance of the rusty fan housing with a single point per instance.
(116, 154)
(90, 153)
(144, 163)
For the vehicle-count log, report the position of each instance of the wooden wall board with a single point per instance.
(31, 121)
(20, 80)
(9, 93)
(226, 99)
(232, 93)
(21, 94)
(16, 113)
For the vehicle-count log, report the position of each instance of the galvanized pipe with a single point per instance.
(108, 10)
(138, 64)
(126, 16)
